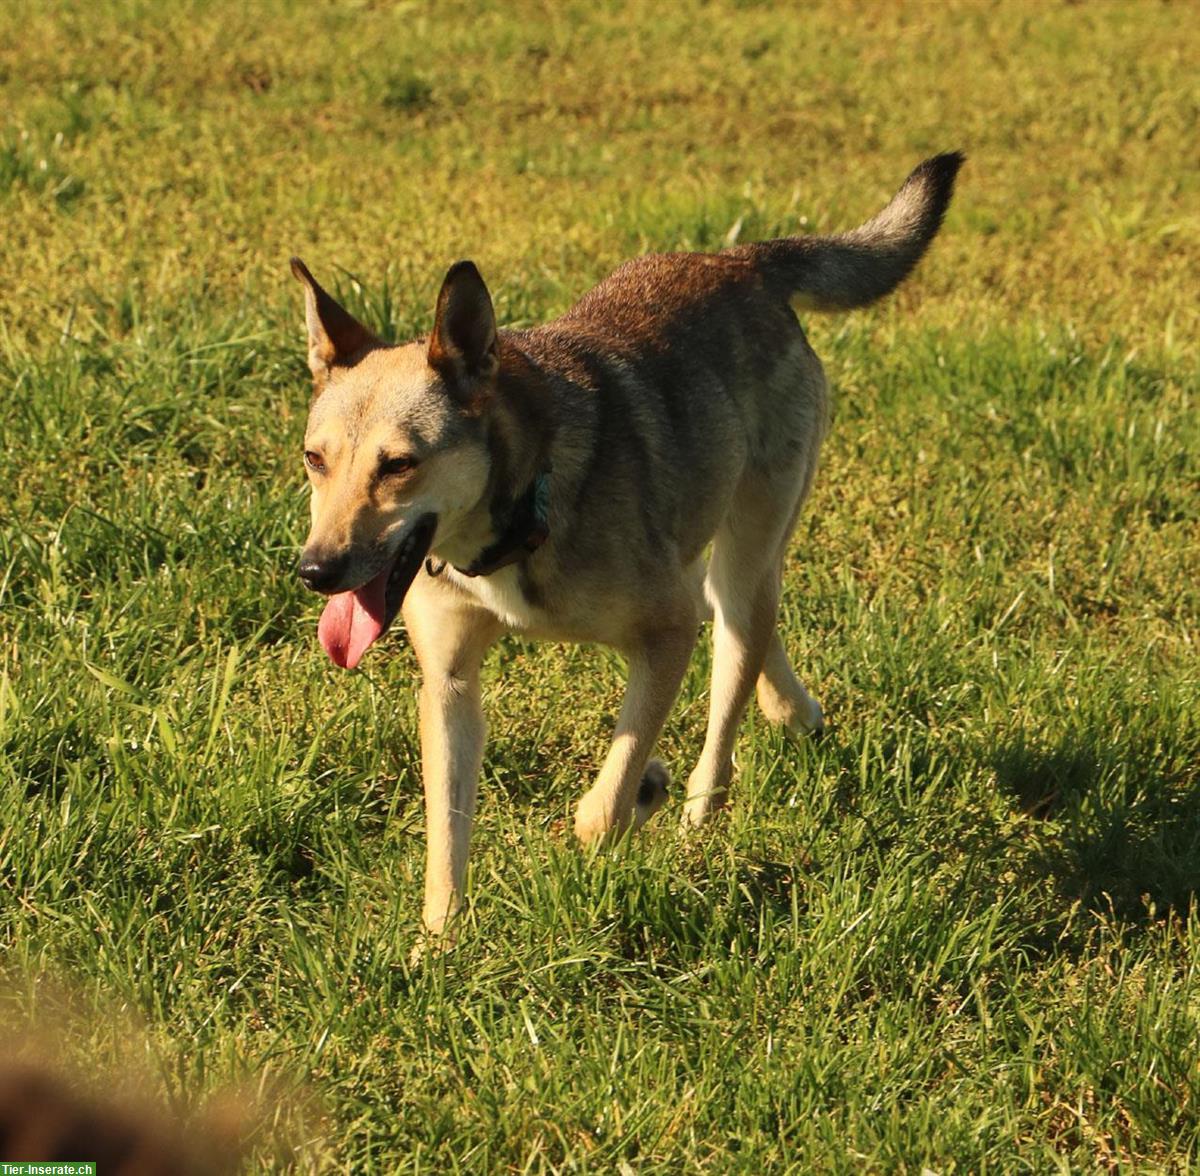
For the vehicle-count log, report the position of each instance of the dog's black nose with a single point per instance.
(320, 572)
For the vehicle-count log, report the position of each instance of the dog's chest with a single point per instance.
(502, 595)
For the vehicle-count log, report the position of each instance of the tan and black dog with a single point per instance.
(567, 482)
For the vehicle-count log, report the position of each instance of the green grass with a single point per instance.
(959, 932)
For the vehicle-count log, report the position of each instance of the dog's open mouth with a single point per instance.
(353, 621)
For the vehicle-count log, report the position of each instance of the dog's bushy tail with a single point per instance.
(855, 268)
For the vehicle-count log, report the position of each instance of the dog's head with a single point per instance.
(396, 451)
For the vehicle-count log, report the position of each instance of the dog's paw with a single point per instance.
(793, 709)
(808, 720)
(595, 823)
(652, 792)
(801, 718)
(700, 809)
(434, 942)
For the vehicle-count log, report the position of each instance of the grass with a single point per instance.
(960, 932)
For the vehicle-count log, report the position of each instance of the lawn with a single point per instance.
(960, 932)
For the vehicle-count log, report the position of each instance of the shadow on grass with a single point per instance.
(1121, 820)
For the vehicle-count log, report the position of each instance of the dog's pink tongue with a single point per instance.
(352, 620)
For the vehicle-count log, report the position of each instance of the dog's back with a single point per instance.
(683, 370)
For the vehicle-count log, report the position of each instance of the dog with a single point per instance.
(566, 482)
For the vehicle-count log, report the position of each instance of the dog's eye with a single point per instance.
(396, 465)
(314, 461)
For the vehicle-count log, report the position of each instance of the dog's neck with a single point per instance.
(515, 502)
(527, 528)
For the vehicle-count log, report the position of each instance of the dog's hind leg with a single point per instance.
(782, 697)
(450, 638)
(743, 586)
(656, 665)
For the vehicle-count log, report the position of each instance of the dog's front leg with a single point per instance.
(656, 667)
(450, 639)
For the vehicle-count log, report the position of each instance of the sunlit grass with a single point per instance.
(958, 932)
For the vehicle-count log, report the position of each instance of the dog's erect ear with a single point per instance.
(463, 348)
(335, 336)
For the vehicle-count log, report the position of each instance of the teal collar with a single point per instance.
(528, 527)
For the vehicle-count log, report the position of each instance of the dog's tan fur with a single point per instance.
(678, 405)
